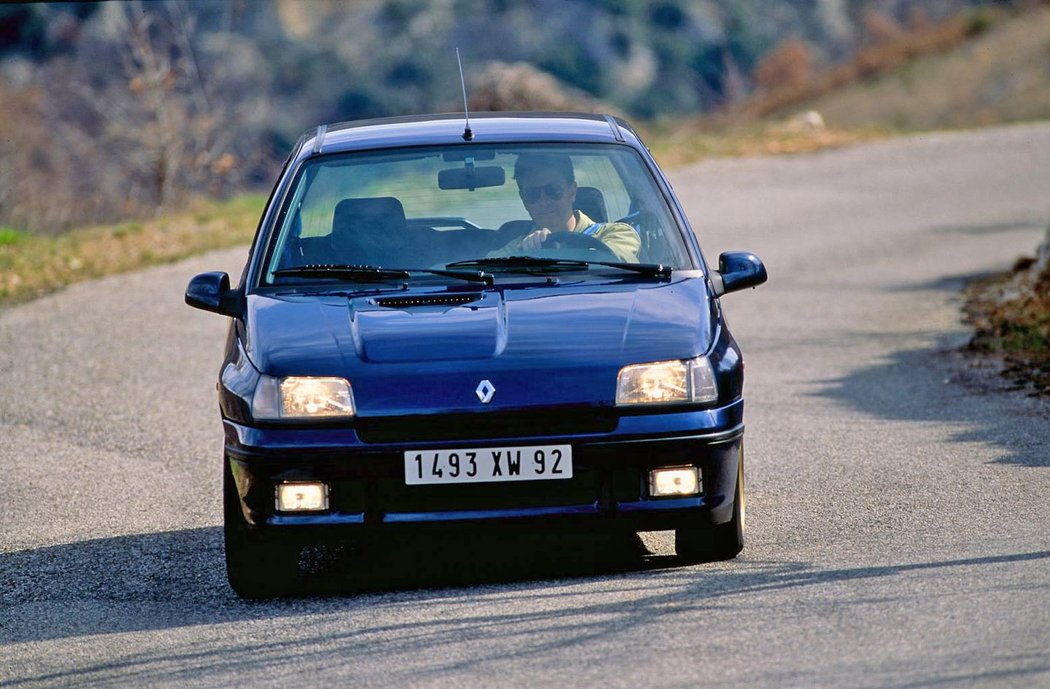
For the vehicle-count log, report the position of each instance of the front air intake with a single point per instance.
(427, 300)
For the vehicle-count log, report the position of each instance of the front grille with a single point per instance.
(433, 300)
(490, 425)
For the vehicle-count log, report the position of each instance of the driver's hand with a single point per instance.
(535, 240)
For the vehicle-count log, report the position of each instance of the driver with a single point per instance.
(547, 187)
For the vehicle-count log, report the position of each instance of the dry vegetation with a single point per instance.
(1001, 75)
(1011, 316)
(682, 143)
(986, 66)
(146, 133)
(786, 77)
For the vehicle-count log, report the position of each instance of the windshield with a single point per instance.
(443, 208)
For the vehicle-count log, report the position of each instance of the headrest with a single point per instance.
(384, 211)
(592, 203)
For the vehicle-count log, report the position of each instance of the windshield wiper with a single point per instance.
(362, 273)
(518, 262)
(651, 269)
(354, 272)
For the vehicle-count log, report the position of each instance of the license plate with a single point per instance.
(488, 464)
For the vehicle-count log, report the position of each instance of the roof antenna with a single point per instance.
(467, 134)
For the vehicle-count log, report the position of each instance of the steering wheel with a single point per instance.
(578, 240)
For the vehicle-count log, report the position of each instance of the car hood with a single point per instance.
(419, 351)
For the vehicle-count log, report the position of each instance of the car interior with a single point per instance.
(374, 231)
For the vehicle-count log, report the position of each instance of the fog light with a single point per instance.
(674, 481)
(302, 497)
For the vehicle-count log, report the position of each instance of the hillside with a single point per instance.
(1002, 75)
(118, 111)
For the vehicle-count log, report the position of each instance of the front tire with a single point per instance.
(713, 543)
(256, 566)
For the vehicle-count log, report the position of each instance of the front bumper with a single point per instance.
(609, 483)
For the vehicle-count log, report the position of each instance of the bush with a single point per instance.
(788, 66)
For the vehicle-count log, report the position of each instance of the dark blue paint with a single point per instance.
(590, 331)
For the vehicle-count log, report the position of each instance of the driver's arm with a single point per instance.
(622, 239)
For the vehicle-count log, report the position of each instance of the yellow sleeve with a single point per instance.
(622, 239)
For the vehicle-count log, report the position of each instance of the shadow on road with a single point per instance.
(150, 583)
(940, 385)
(177, 579)
(153, 570)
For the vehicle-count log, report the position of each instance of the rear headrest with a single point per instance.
(374, 217)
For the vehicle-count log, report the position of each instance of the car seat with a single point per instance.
(370, 231)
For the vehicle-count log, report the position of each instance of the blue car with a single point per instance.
(508, 322)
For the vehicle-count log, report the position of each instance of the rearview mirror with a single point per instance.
(471, 177)
(738, 270)
(211, 292)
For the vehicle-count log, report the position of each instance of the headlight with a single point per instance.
(302, 398)
(667, 382)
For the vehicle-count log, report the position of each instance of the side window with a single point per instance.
(317, 208)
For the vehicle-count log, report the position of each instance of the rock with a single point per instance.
(521, 86)
(1042, 261)
(806, 122)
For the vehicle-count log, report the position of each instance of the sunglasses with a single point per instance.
(532, 194)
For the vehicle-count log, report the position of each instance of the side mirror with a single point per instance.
(211, 292)
(738, 270)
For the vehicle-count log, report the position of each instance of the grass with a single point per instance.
(31, 266)
(681, 143)
(9, 236)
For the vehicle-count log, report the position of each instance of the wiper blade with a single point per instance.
(360, 273)
(363, 273)
(518, 262)
(651, 269)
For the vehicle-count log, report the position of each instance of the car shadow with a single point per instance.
(189, 566)
(450, 557)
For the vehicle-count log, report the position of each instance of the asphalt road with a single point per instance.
(898, 511)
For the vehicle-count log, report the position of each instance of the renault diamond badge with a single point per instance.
(485, 391)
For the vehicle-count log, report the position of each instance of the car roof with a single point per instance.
(486, 127)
